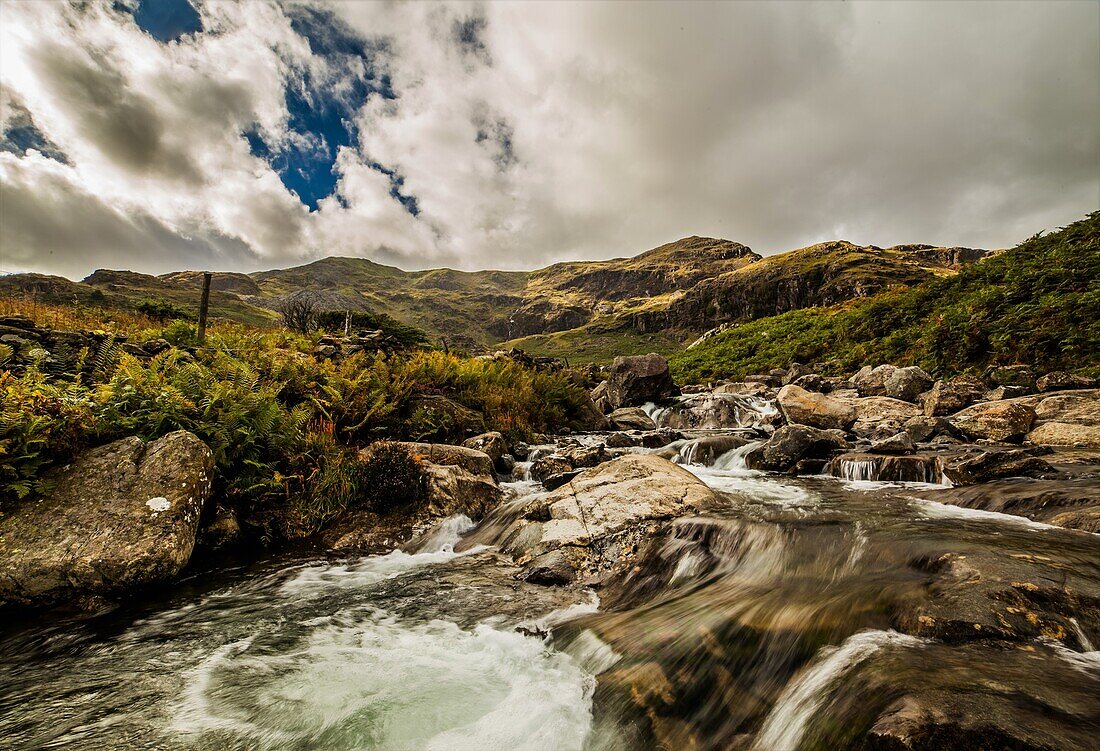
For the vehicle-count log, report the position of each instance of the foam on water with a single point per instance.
(362, 679)
(935, 510)
(730, 474)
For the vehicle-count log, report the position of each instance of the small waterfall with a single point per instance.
(735, 460)
(444, 536)
(786, 723)
(858, 469)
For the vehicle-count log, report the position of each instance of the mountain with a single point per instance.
(655, 301)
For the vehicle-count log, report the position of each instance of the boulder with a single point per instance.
(816, 410)
(600, 398)
(492, 444)
(120, 516)
(1062, 381)
(1055, 433)
(921, 428)
(813, 382)
(473, 461)
(872, 381)
(969, 469)
(633, 381)
(620, 441)
(874, 411)
(451, 489)
(791, 443)
(711, 410)
(796, 371)
(948, 397)
(1067, 419)
(589, 517)
(706, 450)
(1002, 421)
(585, 456)
(631, 418)
(1007, 392)
(1020, 376)
(901, 443)
(907, 383)
(548, 466)
(742, 388)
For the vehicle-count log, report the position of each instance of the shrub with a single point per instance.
(162, 310)
(299, 314)
(393, 479)
(403, 334)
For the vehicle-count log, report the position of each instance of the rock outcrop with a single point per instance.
(633, 381)
(120, 517)
(793, 443)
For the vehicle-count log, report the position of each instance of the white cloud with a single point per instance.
(532, 132)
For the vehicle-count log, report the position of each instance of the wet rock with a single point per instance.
(969, 469)
(633, 381)
(1006, 422)
(872, 381)
(816, 410)
(706, 450)
(631, 418)
(1071, 503)
(520, 450)
(658, 438)
(907, 383)
(620, 441)
(709, 411)
(885, 468)
(553, 482)
(791, 443)
(948, 397)
(585, 456)
(121, 516)
(223, 531)
(900, 443)
(742, 388)
(1062, 381)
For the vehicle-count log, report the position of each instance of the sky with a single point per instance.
(169, 135)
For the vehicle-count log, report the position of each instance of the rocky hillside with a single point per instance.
(658, 300)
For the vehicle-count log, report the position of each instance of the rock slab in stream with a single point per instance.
(121, 516)
(816, 410)
(592, 518)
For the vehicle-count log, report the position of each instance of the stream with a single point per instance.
(768, 624)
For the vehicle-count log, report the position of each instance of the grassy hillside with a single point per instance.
(1038, 303)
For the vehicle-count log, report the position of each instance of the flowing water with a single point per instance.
(769, 623)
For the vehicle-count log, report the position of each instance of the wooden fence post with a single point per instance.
(204, 306)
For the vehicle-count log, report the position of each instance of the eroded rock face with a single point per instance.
(121, 516)
(995, 421)
(816, 410)
(635, 380)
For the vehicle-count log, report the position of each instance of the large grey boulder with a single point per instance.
(792, 443)
(120, 517)
(816, 410)
(907, 383)
(605, 512)
(633, 381)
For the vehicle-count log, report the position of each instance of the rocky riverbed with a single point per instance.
(882, 562)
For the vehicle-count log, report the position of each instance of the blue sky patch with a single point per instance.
(167, 20)
(321, 113)
(22, 134)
